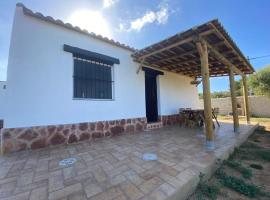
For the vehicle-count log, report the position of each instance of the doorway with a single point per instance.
(151, 100)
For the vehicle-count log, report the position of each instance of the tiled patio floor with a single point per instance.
(114, 169)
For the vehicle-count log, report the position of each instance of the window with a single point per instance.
(93, 73)
(92, 80)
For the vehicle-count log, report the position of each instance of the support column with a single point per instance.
(245, 96)
(203, 52)
(234, 102)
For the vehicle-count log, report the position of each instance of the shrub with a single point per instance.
(238, 184)
(249, 154)
(209, 190)
(246, 173)
(250, 145)
(260, 83)
(235, 152)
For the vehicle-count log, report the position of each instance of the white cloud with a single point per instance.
(109, 3)
(139, 23)
(159, 17)
(162, 15)
(93, 21)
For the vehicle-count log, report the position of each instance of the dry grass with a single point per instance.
(254, 120)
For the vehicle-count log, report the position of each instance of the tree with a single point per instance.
(220, 94)
(260, 82)
(239, 88)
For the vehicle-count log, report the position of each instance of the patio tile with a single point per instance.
(131, 191)
(110, 194)
(4, 171)
(25, 179)
(56, 180)
(39, 194)
(167, 189)
(99, 174)
(151, 184)
(92, 189)
(69, 172)
(77, 196)
(118, 179)
(113, 168)
(65, 191)
(29, 187)
(21, 196)
(6, 189)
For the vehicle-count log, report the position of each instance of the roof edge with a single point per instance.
(69, 26)
(231, 41)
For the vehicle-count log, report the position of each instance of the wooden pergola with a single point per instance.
(201, 52)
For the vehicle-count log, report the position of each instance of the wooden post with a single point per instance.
(234, 102)
(245, 96)
(203, 52)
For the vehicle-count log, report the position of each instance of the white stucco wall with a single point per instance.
(40, 79)
(259, 106)
(2, 97)
(175, 91)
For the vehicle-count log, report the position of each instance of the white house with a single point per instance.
(2, 97)
(65, 84)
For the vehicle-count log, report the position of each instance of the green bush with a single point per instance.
(249, 154)
(205, 189)
(246, 173)
(235, 152)
(260, 83)
(237, 184)
(250, 145)
(263, 154)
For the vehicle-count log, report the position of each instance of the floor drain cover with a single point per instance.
(67, 162)
(149, 156)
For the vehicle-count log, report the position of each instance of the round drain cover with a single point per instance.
(149, 156)
(67, 161)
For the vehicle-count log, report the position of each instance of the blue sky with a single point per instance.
(142, 22)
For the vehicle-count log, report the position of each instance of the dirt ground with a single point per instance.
(260, 177)
(264, 122)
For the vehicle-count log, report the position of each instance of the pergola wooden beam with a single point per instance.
(245, 96)
(229, 45)
(174, 57)
(177, 49)
(232, 70)
(184, 41)
(167, 48)
(226, 62)
(140, 66)
(191, 66)
(203, 52)
(234, 101)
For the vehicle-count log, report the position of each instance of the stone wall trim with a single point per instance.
(36, 137)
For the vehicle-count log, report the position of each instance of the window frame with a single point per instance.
(93, 99)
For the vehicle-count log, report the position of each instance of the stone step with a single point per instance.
(154, 125)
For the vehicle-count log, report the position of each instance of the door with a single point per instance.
(151, 96)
